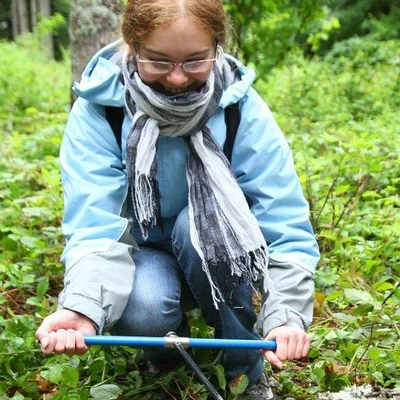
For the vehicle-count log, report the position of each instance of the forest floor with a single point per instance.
(362, 392)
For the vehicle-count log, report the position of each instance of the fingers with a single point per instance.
(291, 343)
(66, 341)
(271, 357)
(70, 342)
(80, 345)
(62, 332)
(46, 336)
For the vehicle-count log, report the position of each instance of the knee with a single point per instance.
(181, 232)
(182, 246)
(150, 316)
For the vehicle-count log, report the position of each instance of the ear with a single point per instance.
(126, 47)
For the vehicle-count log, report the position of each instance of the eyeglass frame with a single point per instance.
(181, 64)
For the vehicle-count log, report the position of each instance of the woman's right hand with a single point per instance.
(62, 332)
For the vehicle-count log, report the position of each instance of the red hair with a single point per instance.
(142, 17)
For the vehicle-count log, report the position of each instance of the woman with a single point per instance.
(150, 235)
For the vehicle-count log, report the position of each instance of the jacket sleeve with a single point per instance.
(98, 262)
(265, 170)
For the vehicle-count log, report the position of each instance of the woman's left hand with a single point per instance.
(291, 343)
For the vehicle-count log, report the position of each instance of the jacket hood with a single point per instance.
(101, 81)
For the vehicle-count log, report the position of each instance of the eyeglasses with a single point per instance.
(165, 67)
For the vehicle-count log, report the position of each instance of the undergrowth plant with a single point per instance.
(340, 115)
(33, 110)
(341, 118)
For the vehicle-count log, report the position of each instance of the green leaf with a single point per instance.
(376, 354)
(334, 295)
(378, 376)
(53, 373)
(318, 372)
(363, 309)
(169, 377)
(70, 376)
(105, 392)
(61, 374)
(357, 296)
(17, 396)
(220, 373)
(370, 194)
(239, 384)
(382, 286)
(42, 287)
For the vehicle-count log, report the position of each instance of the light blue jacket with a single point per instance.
(100, 233)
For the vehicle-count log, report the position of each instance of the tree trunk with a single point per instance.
(45, 11)
(14, 20)
(92, 25)
(20, 17)
(34, 11)
(23, 16)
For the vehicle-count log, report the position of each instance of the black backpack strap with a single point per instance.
(232, 120)
(115, 117)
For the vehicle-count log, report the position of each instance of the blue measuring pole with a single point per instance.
(186, 342)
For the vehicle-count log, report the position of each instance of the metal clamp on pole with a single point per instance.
(176, 341)
(171, 339)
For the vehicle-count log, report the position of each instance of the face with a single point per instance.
(179, 42)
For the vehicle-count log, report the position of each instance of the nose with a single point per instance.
(177, 76)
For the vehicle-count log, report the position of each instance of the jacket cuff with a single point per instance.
(80, 303)
(283, 317)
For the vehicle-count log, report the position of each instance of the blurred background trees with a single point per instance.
(81, 26)
(18, 17)
(92, 25)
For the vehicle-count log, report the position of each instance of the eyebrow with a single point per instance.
(156, 53)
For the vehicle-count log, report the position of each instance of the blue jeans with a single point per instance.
(169, 279)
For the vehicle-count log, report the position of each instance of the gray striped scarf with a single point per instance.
(222, 228)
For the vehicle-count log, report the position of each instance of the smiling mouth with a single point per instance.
(174, 91)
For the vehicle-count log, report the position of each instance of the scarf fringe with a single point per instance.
(252, 267)
(215, 291)
(145, 203)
